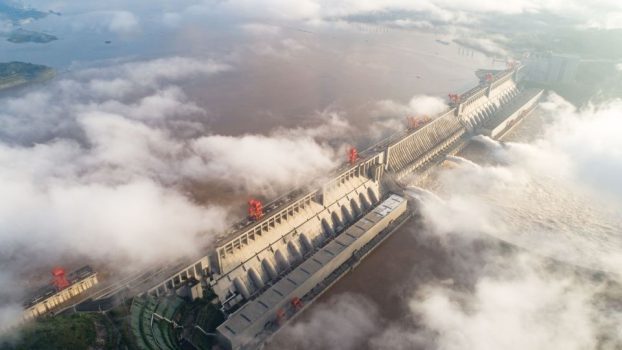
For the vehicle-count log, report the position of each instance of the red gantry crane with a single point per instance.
(511, 64)
(297, 303)
(60, 280)
(454, 98)
(255, 209)
(353, 155)
(414, 123)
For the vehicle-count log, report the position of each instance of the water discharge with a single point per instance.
(422, 194)
(462, 161)
(487, 141)
(544, 214)
(554, 220)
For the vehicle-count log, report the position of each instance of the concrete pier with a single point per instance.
(262, 316)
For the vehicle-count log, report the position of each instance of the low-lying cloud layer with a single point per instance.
(436, 11)
(391, 116)
(96, 167)
(554, 198)
(557, 196)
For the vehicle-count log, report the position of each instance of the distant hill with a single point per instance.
(19, 36)
(16, 13)
(14, 74)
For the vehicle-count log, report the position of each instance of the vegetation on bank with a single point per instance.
(14, 74)
(112, 330)
(76, 331)
(19, 36)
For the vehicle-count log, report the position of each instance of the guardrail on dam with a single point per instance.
(250, 260)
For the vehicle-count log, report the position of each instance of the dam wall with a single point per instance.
(513, 113)
(249, 261)
(254, 255)
(425, 143)
(450, 130)
(262, 315)
(482, 102)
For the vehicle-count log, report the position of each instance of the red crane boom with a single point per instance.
(353, 155)
(255, 209)
(60, 280)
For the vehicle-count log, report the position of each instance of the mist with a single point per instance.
(522, 238)
(97, 167)
(164, 119)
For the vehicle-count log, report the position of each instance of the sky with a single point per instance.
(125, 157)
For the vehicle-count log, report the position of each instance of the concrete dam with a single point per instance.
(265, 271)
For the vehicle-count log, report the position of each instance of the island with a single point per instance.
(19, 36)
(16, 13)
(13, 74)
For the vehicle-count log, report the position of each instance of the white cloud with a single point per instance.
(516, 301)
(123, 22)
(558, 196)
(261, 29)
(281, 49)
(138, 90)
(484, 44)
(157, 71)
(528, 309)
(427, 105)
(391, 116)
(342, 323)
(261, 163)
(554, 198)
(418, 105)
(5, 26)
(172, 19)
(589, 139)
(603, 14)
(277, 9)
(168, 102)
(93, 166)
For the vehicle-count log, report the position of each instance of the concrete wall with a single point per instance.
(284, 245)
(514, 119)
(57, 299)
(481, 106)
(419, 143)
(476, 108)
(197, 269)
(250, 321)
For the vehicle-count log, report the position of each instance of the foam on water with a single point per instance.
(551, 219)
(421, 194)
(462, 161)
(487, 141)
(544, 215)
